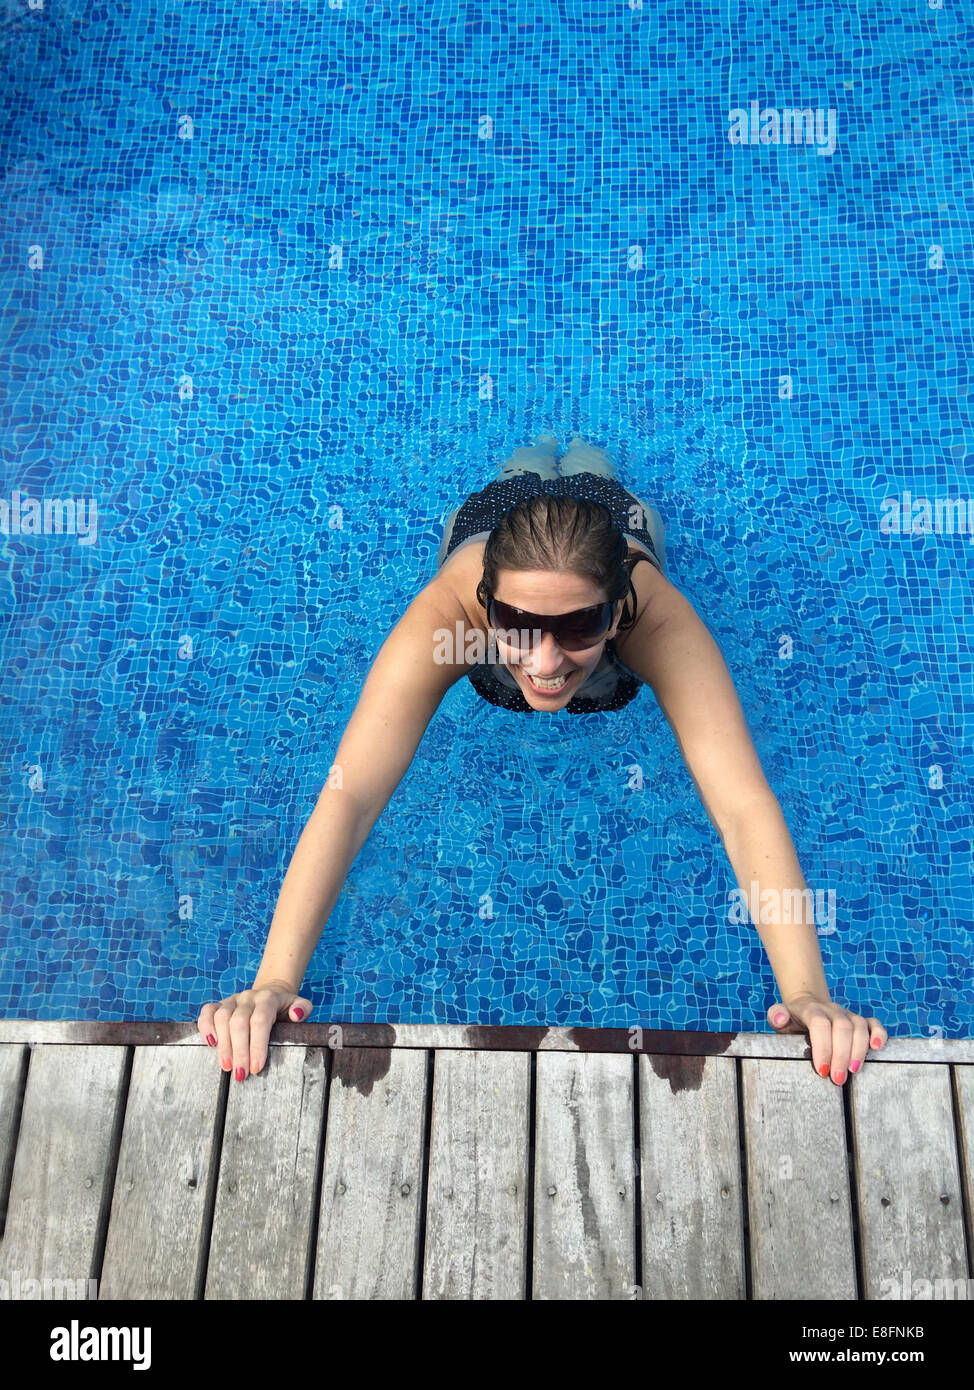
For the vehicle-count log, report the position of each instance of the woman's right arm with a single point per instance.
(402, 692)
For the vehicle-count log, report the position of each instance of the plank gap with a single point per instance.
(529, 1240)
(206, 1236)
(114, 1149)
(311, 1259)
(962, 1168)
(849, 1133)
(638, 1183)
(743, 1178)
(424, 1174)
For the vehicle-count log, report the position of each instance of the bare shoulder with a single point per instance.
(454, 588)
(656, 599)
(414, 667)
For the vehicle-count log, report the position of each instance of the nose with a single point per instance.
(546, 659)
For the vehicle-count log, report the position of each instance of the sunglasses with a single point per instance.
(583, 627)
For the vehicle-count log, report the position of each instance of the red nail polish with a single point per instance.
(299, 1013)
(877, 1042)
(823, 1070)
(211, 1039)
(840, 1078)
(239, 1073)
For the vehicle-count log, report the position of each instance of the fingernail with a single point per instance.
(823, 1070)
(854, 1066)
(780, 1018)
(299, 1013)
(840, 1078)
(211, 1039)
(877, 1042)
(239, 1073)
(225, 1063)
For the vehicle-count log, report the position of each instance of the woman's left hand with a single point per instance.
(839, 1038)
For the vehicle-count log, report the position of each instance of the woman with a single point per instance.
(541, 599)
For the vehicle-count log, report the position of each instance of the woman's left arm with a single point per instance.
(671, 649)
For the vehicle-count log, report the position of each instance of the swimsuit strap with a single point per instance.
(635, 559)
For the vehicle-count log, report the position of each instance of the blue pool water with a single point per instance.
(282, 283)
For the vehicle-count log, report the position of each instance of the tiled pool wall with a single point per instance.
(282, 283)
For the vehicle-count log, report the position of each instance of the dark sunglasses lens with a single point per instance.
(572, 633)
(583, 632)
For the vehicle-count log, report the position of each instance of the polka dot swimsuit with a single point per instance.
(612, 685)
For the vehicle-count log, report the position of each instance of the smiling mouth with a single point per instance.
(551, 687)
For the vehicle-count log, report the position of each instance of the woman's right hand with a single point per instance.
(240, 1025)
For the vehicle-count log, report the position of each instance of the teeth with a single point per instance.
(554, 684)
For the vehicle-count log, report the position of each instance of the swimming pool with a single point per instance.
(274, 306)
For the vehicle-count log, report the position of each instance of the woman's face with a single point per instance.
(548, 593)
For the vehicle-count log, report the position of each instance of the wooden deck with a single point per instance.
(424, 1162)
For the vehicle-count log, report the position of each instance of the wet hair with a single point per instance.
(562, 534)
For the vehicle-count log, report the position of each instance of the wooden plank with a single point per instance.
(62, 1174)
(798, 1195)
(14, 1058)
(319, 1033)
(909, 1185)
(371, 1188)
(260, 1245)
(477, 1203)
(584, 1185)
(692, 1186)
(166, 1171)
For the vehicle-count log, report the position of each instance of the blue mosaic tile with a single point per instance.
(282, 285)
